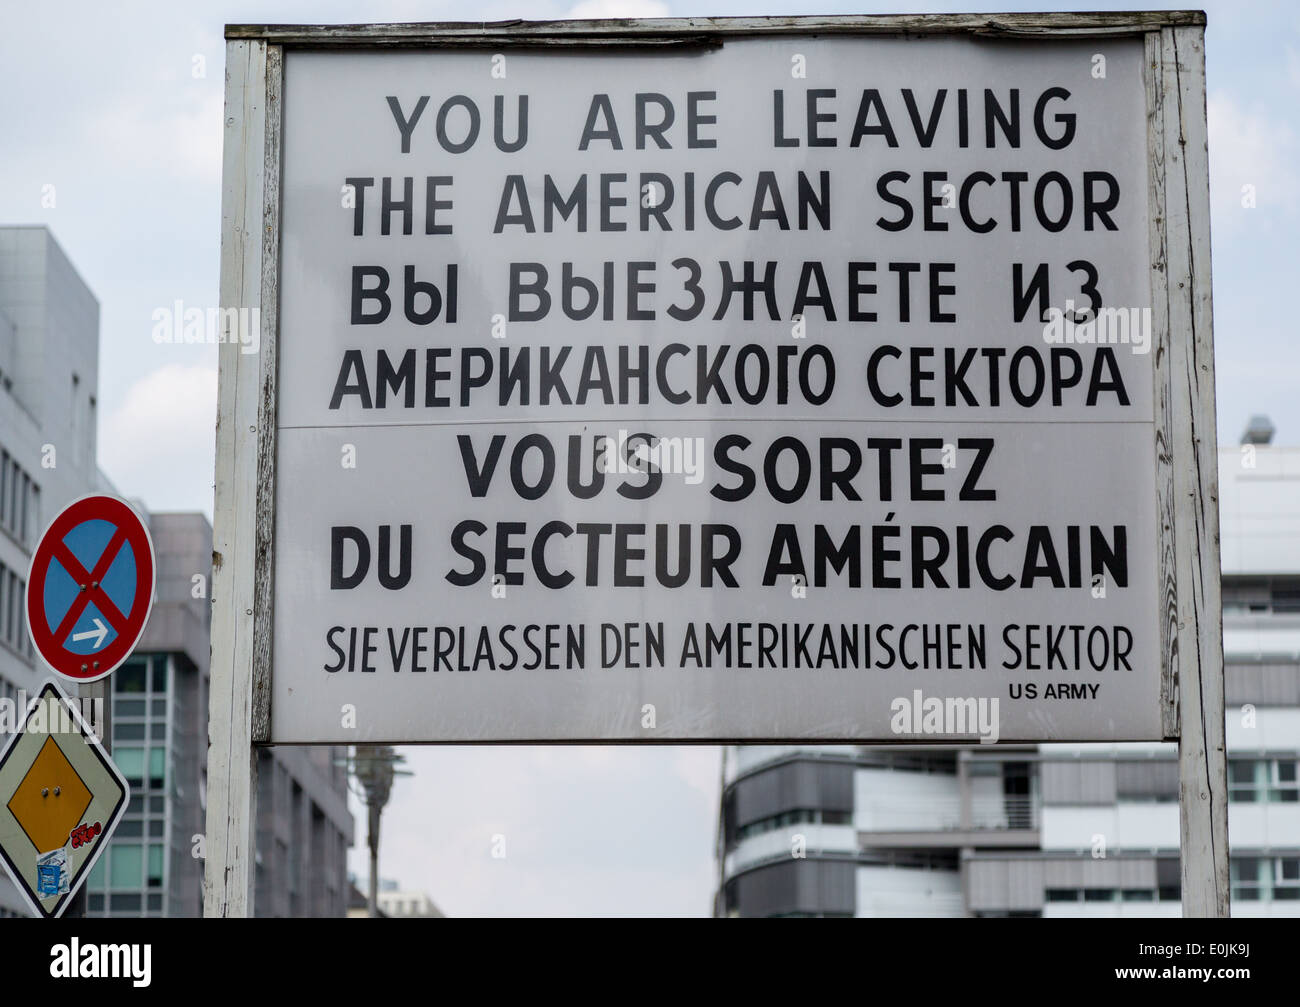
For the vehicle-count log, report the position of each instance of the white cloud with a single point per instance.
(178, 130)
(700, 767)
(159, 444)
(1248, 148)
(592, 10)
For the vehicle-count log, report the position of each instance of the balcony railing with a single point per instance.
(922, 814)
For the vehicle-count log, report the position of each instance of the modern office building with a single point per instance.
(392, 902)
(159, 717)
(401, 904)
(1047, 830)
(358, 903)
(304, 830)
(49, 351)
(158, 728)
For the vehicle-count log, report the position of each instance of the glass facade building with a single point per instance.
(158, 724)
(157, 739)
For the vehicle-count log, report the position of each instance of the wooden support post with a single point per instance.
(1187, 456)
(249, 237)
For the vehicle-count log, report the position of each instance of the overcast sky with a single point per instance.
(114, 111)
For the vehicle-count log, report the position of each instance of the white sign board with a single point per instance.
(749, 379)
(716, 394)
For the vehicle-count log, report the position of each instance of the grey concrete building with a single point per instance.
(304, 830)
(49, 373)
(49, 357)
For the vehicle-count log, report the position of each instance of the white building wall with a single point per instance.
(889, 800)
(1275, 729)
(898, 891)
(1259, 509)
(1258, 638)
(1128, 826)
(785, 842)
(1264, 827)
(1114, 910)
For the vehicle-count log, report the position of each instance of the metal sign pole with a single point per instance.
(98, 715)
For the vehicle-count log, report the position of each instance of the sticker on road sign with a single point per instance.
(90, 588)
(61, 797)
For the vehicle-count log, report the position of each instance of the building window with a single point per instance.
(1146, 780)
(99, 873)
(1261, 595)
(126, 867)
(1265, 879)
(124, 903)
(1284, 785)
(1286, 885)
(1245, 873)
(797, 816)
(77, 423)
(158, 768)
(1252, 781)
(130, 677)
(155, 865)
(133, 874)
(19, 501)
(13, 629)
(1111, 894)
(941, 763)
(131, 762)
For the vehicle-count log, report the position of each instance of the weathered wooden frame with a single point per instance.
(1185, 448)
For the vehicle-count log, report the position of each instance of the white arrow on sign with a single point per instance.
(100, 633)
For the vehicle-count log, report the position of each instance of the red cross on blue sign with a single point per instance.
(90, 589)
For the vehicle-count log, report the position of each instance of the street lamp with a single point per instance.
(374, 767)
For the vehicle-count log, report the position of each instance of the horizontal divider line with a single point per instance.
(708, 420)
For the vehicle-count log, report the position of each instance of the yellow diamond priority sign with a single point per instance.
(61, 797)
